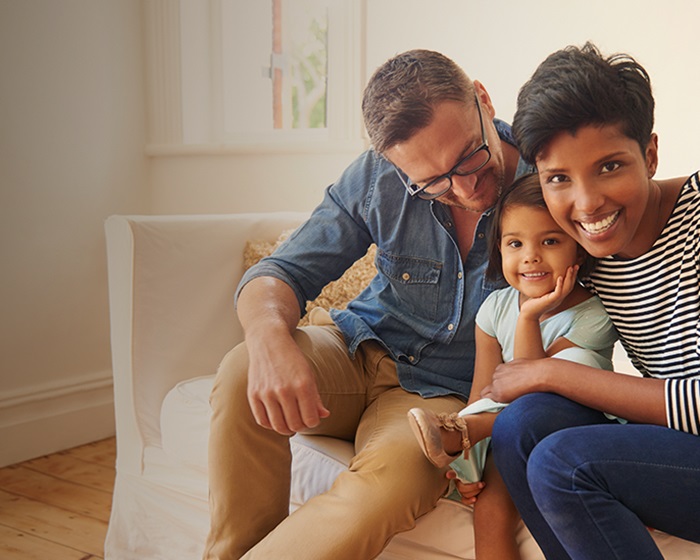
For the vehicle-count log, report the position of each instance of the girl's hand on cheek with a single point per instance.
(536, 307)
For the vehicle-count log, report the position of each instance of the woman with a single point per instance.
(586, 486)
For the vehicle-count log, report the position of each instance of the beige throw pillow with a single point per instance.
(336, 294)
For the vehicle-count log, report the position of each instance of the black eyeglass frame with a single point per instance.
(416, 190)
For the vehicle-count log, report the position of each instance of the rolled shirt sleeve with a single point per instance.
(683, 405)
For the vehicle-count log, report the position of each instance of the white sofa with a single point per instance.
(171, 286)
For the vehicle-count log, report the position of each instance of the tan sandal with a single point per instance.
(426, 426)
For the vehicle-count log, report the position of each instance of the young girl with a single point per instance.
(586, 487)
(544, 312)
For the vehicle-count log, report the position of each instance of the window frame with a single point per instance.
(185, 84)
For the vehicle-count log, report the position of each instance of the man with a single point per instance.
(422, 194)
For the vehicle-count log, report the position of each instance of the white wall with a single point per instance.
(501, 42)
(223, 183)
(71, 153)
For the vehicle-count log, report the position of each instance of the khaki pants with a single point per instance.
(388, 485)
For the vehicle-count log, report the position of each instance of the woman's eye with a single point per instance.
(556, 179)
(610, 166)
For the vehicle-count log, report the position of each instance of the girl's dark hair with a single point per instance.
(524, 191)
(577, 86)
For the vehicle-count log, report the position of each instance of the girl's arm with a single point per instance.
(528, 338)
(528, 341)
(488, 356)
(528, 334)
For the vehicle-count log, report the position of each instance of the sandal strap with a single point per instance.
(453, 422)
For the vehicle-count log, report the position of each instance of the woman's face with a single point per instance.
(597, 185)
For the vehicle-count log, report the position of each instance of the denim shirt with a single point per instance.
(422, 303)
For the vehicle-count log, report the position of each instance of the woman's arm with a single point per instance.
(635, 398)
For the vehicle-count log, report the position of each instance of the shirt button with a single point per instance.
(459, 275)
(450, 327)
(480, 235)
(406, 276)
(411, 359)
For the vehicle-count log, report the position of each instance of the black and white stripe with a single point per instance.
(654, 302)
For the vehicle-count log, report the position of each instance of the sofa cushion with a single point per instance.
(184, 421)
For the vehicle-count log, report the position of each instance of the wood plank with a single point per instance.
(53, 524)
(68, 467)
(49, 490)
(100, 452)
(16, 545)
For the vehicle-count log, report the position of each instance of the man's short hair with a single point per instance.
(402, 93)
(576, 87)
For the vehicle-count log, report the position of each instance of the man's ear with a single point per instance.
(484, 99)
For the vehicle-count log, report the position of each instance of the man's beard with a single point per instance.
(494, 177)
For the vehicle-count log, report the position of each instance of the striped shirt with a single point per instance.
(654, 302)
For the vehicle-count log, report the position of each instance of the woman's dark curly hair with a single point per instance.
(577, 86)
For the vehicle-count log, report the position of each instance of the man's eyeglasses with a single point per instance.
(471, 163)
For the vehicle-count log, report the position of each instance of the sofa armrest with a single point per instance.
(171, 287)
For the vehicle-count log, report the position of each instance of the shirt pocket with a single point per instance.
(414, 283)
(490, 286)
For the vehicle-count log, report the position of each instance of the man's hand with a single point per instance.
(282, 391)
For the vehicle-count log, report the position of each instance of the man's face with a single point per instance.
(453, 133)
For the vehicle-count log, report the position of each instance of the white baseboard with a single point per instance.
(43, 419)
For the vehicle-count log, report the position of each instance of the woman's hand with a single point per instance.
(517, 378)
(468, 490)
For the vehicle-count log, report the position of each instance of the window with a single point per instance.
(299, 64)
(263, 73)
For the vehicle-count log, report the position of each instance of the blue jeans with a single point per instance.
(588, 487)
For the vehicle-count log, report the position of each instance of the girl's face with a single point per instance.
(597, 185)
(535, 251)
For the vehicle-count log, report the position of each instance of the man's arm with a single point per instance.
(282, 389)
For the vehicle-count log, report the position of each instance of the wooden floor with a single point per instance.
(57, 507)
